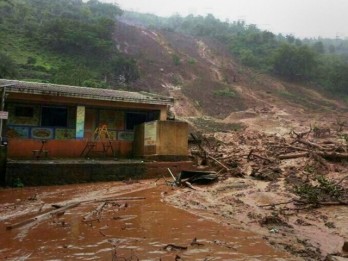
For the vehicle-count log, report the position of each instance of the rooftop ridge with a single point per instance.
(84, 92)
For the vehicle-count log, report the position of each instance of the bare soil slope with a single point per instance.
(206, 80)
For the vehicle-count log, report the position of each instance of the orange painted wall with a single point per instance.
(23, 148)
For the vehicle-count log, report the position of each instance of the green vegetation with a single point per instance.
(226, 92)
(324, 190)
(176, 59)
(7, 66)
(320, 62)
(65, 41)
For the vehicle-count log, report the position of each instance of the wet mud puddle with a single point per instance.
(143, 229)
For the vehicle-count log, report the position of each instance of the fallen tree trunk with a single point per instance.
(112, 199)
(333, 155)
(325, 155)
(42, 217)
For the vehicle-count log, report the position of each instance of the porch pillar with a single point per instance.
(80, 122)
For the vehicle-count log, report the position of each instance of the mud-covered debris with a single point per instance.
(197, 177)
(322, 191)
(172, 247)
(266, 173)
(196, 243)
(34, 197)
(272, 220)
(301, 222)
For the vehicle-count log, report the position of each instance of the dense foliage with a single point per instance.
(65, 41)
(7, 66)
(322, 62)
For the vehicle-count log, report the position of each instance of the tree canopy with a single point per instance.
(66, 41)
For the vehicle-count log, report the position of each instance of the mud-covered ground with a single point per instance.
(309, 234)
(240, 217)
(265, 199)
(118, 221)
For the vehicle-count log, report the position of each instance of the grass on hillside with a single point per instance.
(37, 63)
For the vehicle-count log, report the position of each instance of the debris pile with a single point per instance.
(265, 157)
(280, 186)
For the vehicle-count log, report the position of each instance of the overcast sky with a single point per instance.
(302, 18)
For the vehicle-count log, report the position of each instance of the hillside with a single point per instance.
(292, 138)
(207, 80)
(211, 68)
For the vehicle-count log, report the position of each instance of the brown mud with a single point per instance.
(146, 229)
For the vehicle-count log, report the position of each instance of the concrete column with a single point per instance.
(80, 122)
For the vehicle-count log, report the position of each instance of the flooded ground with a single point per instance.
(126, 227)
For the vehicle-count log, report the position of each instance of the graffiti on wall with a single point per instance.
(65, 134)
(17, 132)
(42, 133)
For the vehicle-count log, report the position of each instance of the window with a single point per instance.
(54, 117)
(24, 111)
(153, 116)
(134, 118)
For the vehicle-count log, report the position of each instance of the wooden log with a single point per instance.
(112, 199)
(174, 247)
(333, 155)
(170, 172)
(42, 217)
(311, 144)
(249, 154)
(324, 154)
(261, 157)
(188, 184)
(293, 155)
(290, 147)
(218, 162)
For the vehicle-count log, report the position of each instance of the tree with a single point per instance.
(122, 71)
(294, 62)
(72, 75)
(8, 68)
(319, 47)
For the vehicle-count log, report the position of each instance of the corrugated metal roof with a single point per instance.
(14, 86)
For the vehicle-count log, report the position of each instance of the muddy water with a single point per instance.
(136, 228)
